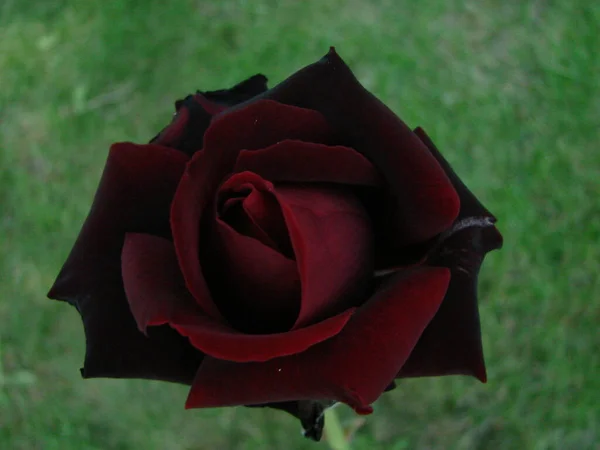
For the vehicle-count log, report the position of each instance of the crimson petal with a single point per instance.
(264, 288)
(332, 239)
(451, 344)
(426, 202)
(297, 161)
(354, 367)
(259, 124)
(186, 130)
(470, 206)
(134, 195)
(194, 113)
(157, 295)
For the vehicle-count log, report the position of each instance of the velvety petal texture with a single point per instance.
(134, 195)
(425, 201)
(157, 295)
(354, 367)
(289, 248)
(194, 113)
(451, 344)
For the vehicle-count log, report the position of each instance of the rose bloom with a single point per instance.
(290, 248)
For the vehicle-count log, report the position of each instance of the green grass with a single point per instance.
(508, 90)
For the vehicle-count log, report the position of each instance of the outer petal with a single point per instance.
(297, 161)
(354, 367)
(194, 113)
(332, 239)
(426, 201)
(241, 92)
(186, 130)
(470, 206)
(157, 295)
(451, 344)
(257, 125)
(134, 195)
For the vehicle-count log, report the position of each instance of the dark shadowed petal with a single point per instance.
(354, 367)
(262, 291)
(194, 113)
(297, 161)
(451, 344)
(332, 239)
(186, 130)
(258, 214)
(470, 206)
(157, 295)
(241, 92)
(251, 249)
(256, 125)
(426, 202)
(134, 195)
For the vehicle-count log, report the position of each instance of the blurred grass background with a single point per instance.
(509, 91)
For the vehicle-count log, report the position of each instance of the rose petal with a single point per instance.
(193, 196)
(134, 195)
(261, 215)
(157, 294)
(195, 112)
(469, 205)
(426, 201)
(332, 240)
(451, 344)
(257, 125)
(297, 161)
(241, 92)
(263, 123)
(263, 292)
(225, 343)
(186, 131)
(354, 367)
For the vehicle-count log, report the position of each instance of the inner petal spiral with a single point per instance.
(252, 210)
(250, 264)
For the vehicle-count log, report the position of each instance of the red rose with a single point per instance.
(281, 247)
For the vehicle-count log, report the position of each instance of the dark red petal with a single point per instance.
(354, 367)
(195, 112)
(241, 92)
(261, 214)
(225, 343)
(263, 123)
(297, 161)
(257, 125)
(451, 344)
(194, 193)
(332, 239)
(426, 201)
(134, 195)
(153, 284)
(186, 131)
(210, 107)
(157, 294)
(262, 293)
(470, 206)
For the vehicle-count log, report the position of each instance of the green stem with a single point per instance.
(334, 433)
